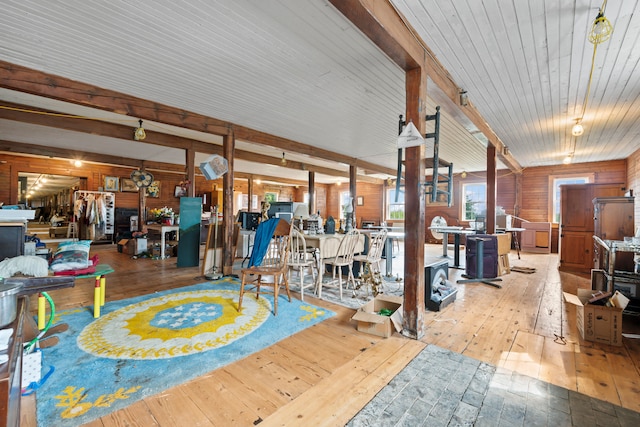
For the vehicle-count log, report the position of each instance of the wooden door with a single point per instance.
(576, 251)
(576, 208)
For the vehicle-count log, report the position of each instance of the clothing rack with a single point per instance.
(103, 231)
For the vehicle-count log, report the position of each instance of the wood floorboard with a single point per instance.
(327, 373)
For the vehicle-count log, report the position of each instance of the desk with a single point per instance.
(327, 245)
(456, 231)
(164, 229)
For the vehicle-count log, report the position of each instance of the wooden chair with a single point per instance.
(302, 258)
(373, 257)
(272, 271)
(344, 258)
(370, 262)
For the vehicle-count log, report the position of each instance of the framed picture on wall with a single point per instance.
(128, 186)
(111, 183)
(360, 201)
(271, 197)
(154, 189)
(179, 191)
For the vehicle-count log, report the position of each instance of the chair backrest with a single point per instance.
(348, 245)
(377, 246)
(278, 251)
(297, 246)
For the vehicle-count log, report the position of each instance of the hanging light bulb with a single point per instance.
(567, 159)
(577, 129)
(601, 29)
(463, 175)
(283, 162)
(77, 163)
(139, 133)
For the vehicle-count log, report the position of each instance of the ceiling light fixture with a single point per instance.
(568, 159)
(601, 30)
(77, 163)
(139, 133)
(283, 162)
(464, 97)
(463, 175)
(577, 129)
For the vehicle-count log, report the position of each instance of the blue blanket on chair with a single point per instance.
(261, 242)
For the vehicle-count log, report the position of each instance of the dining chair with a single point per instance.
(272, 270)
(301, 259)
(344, 258)
(372, 259)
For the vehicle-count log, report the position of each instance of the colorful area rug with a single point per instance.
(350, 299)
(144, 345)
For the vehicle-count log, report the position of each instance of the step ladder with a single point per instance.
(72, 231)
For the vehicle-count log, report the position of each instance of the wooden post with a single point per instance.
(312, 192)
(191, 171)
(352, 192)
(228, 146)
(492, 193)
(414, 225)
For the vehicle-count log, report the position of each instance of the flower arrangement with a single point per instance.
(160, 213)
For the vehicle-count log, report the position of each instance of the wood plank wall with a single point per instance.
(534, 187)
(633, 181)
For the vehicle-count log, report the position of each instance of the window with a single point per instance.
(474, 200)
(555, 181)
(344, 200)
(395, 210)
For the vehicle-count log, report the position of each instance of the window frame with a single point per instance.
(463, 201)
(390, 200)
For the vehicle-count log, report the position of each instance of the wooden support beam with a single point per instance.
(227, 208)
(492, 189)
(414, 221)
(379, 21)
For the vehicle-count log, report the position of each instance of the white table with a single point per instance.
(164, 229)
(327, 245)
(456, 231)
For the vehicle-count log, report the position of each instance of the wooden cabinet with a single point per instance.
(613, 217)
(11, 373)
(613, 220)
(577, 223)
(536, 237)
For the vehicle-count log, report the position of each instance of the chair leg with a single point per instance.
(276, 287)
(340, 280)
(301, 283)
(241, 293)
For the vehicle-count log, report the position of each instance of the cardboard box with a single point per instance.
(132, 246)
(504, 243)
(596, 323)
(504, 267)
(370, 322)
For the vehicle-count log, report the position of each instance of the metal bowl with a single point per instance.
(8, 302)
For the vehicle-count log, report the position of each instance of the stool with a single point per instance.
(72, 231)
(100, 286)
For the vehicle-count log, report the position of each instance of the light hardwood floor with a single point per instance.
(325, 374)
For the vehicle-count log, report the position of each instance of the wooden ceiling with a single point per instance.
(301, 72)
